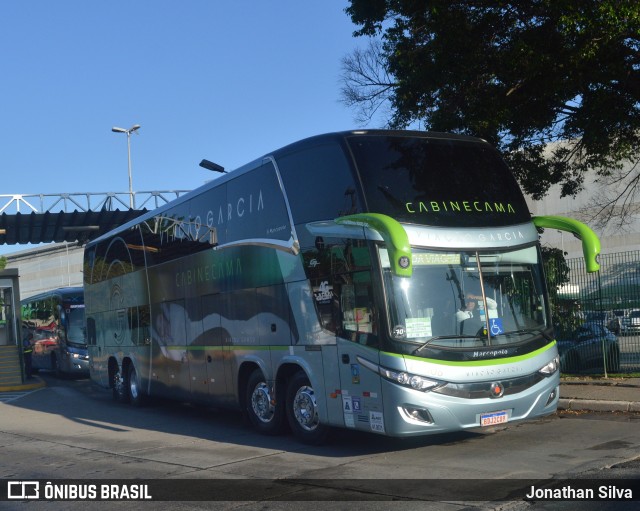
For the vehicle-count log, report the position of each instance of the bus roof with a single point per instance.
(62, 292)
(338, 139)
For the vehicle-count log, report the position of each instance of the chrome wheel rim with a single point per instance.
(133, 385)
(261, 404)
(118, 383)
(305, 408)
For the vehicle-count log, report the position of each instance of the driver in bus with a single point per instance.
(468, 317)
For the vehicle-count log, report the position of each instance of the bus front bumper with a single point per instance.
(415, 413)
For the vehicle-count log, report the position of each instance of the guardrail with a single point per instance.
(86, 201)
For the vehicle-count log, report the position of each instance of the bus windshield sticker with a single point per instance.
(495, 326)
(399, 331)
(418, 327)
(430, 258)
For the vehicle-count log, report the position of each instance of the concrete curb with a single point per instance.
(592, 405)
(37, 383)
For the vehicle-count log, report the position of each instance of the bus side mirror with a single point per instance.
(590, 240)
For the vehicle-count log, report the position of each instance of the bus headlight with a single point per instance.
(403, 378)
(551, 367)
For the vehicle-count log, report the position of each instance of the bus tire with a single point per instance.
(264, 413)
(119, 386)
(302, 411)
(136, 396)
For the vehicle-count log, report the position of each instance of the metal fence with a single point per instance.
(597, 315)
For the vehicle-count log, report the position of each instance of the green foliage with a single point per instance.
(556, 268)
(3, 262)
(557, 273)
(522, 75)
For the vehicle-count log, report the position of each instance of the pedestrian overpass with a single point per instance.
(81, 217)
(60, 217)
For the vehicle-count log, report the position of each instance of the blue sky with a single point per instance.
(222, 80)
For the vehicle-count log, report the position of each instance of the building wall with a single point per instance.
(47, 267)
(614, 237)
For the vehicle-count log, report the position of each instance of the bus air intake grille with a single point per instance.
(486, 389)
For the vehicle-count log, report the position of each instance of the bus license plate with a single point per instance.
(493, 418)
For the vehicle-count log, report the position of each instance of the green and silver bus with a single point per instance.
(383, 281)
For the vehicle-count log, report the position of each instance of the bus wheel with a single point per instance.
(136, 397)
(302, 411)
(120, 393)
(265, 415)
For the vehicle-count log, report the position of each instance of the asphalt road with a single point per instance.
(72, 430)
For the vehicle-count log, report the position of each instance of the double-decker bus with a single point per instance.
(383, 281)
(54, 323)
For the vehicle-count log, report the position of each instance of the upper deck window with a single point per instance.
(437, 181)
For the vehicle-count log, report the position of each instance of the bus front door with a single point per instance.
(360, 387)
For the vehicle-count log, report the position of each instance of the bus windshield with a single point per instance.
(467, 299)
(75, 326)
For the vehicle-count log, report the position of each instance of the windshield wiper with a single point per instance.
(483, 339)
(531, 331)
(438, 337)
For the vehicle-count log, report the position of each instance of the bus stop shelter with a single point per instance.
(11, 366)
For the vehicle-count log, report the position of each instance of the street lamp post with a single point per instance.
(133, 128)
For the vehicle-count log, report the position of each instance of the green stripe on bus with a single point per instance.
(478, 363)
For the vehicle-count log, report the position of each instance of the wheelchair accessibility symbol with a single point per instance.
(495, 326)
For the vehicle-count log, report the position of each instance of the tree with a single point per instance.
(554, 84)
(557, 274)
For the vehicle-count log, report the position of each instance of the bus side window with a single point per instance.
(357, 317)
(340, 276)
(317, 264)
(140, 324)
